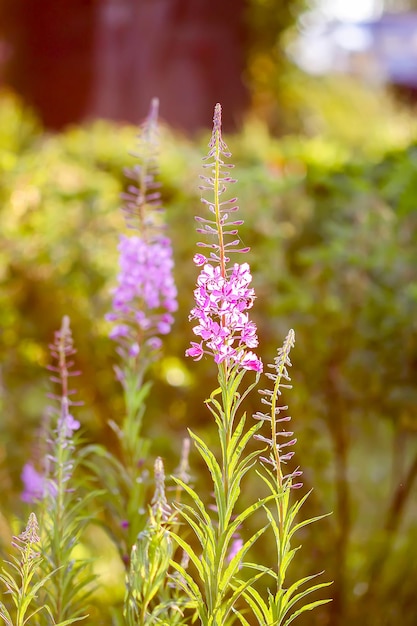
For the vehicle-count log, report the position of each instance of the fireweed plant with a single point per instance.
(62, 499)
(21, 582)
(222, 583)
(144, 300)
(189, 560)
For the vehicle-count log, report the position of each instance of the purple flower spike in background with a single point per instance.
(56, 464)
(146, 296)
(223, 295)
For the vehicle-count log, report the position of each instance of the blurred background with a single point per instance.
(319, 108)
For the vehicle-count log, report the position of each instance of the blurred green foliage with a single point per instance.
(332, 227)
(270, 23)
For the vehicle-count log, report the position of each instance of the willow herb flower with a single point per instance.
(57, 463)
(28, 538)
(223, 294)
(34, 483)
(146, 296)
(62, 514)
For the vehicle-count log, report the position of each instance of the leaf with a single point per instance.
(306, 607)
(303, 594)
(258, 605)
(195, 497)
(204, 531)
(306, 522)
(234, 563)
(216, 475)
(187, 584)
(236, 447)
(190, 552)
(5, 615)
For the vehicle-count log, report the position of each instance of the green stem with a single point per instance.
(217, 205)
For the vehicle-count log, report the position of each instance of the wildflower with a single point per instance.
(40, 484)
(223, 324)
(62, 351)
(33, 483)
(223, 295)
(146, 296)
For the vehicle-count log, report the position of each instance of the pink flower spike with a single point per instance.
(223, 293)
(145, 295)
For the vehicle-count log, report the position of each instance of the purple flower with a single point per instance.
(146, 296)
(68, 425)
(223, 294)
(196, 351)
(222, 321)
(33, 484)
(57, 463)
(199, 259)
(36, 485)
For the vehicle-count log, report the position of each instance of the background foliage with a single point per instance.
(331, 222)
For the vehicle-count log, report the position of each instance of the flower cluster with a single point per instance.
(223, 294)
(145, 297)
(223, 323)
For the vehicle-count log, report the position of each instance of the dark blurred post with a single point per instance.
(77, 59)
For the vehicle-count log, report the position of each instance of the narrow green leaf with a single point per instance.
(216, 475)
(303, 594)
(306, 607)
(234, 563)
(236, 447)
(189, 586)
(195, 497)
(204, 532)
(190, 552)
(258, 605)
(306, 522)
(239, 591)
